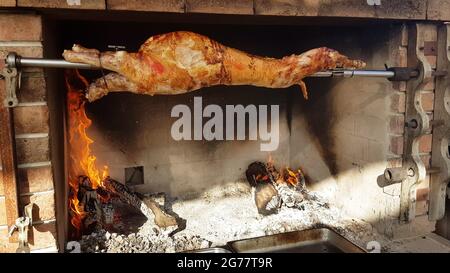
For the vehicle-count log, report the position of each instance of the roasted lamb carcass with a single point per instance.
(180, 62)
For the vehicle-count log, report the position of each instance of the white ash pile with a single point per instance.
(227, 212)
(105, 242)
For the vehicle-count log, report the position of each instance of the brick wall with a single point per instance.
(31, 125)
(393, 9)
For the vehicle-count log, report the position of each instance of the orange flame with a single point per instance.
(82, 162)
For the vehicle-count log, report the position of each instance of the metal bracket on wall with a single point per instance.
(416, 119)
(441, 130)
(417, 122)
(12, 84)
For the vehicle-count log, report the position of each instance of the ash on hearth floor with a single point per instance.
(226, 214)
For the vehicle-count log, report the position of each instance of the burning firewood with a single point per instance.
(148, 207)
(274, 188)
(257, 173)
(91, 201)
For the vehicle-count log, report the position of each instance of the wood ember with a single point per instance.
(90, 203)
(162, 219)
(128, 196)
(267, 199)
(274, 188)
(257, 172)
(98, 205)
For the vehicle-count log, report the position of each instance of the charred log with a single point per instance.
(98, 204)
(127, 196)
(257, 172)
(267, 199)
(275, 188)
(162, 219)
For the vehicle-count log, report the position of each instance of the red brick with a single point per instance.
(438, 10)
(427, 101)
(2, 190)
(32, 88)
(404, 33)
(63, 4)
(397, 124)
(425, 143)
(31, 119)
(399, 86)
(402, 57)
(395, 9)
(32, 51)
(426, 159)
(2, 212)
(394, 162)
(431, 60)
(7, 3)
(44, 205)
(20, 27)
(35, 179)
(42, 236)
(421, 208)
(147, 5)
(220, 6)
(398, 102)
(32, 150)
(422, 193)
(396, 145)
(430, 85)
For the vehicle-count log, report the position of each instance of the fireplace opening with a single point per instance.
(139, 185)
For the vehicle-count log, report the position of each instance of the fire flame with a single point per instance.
(292, 177)
(82, 162)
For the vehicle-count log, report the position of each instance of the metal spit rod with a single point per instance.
(14, 60)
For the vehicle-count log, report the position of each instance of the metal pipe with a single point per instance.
(355, 73)
(45, 63)
(14, 60)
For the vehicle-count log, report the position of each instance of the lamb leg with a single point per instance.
(112, 82)
(109, 60)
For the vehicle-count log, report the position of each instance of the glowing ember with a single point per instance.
(292, 178)
(82, 162)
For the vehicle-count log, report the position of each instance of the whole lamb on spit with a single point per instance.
(182, 61)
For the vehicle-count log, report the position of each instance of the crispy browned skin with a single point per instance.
(179, 62)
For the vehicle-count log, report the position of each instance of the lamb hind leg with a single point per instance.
(112, 82)
(109, 60)
(337, 60)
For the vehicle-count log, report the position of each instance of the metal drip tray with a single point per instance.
(321, 240)
(212, 250)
